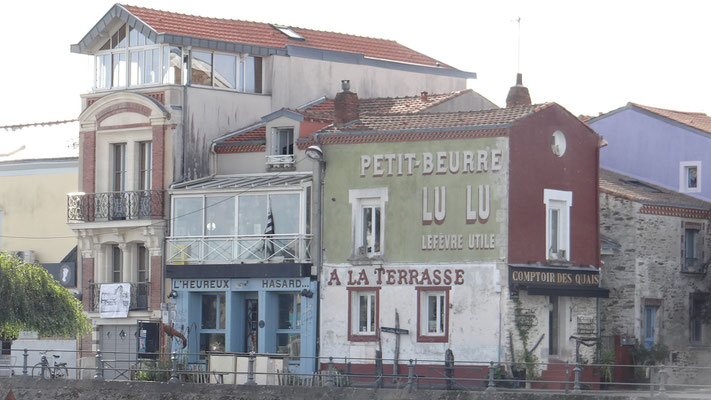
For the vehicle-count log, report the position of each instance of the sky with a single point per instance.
(590, 57)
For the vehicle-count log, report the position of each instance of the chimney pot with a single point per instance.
(346, 85)
(423, 96)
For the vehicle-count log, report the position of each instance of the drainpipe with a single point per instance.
(318, 235)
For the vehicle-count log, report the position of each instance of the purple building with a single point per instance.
(668, 148)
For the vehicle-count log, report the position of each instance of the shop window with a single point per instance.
(558, 205)
(368, 220)
(212, 323)
(288, 334)
(690, 176)
(698, 310)
(364, 314)
(432, 314)
(692, 245)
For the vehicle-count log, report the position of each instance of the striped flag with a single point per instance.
(268, 232)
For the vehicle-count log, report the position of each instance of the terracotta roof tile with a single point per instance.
(696, 120)
(639, 191)
(397, 122)
(262, 34)
(384, 105)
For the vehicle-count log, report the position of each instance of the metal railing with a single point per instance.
(115, 206)
(236, 249)
(140, 295)
(443, 374)
(280, 161)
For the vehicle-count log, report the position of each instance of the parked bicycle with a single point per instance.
(43, 370)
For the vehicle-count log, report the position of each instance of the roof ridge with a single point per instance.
(699, 113)
(267, 23)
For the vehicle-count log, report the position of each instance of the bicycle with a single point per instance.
(43, 370)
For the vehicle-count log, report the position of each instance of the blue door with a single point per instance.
(649, 314)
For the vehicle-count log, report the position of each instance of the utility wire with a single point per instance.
(160, 222)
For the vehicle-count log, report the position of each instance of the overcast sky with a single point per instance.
(590, 57)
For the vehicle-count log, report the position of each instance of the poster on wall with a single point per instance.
(115, 300)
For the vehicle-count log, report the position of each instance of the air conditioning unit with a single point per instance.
(27, 256)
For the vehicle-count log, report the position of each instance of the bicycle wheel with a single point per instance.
(61, 372)
(41, 371)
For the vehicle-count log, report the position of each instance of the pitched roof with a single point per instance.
(493, 118)
(322, 110)
(645, 193)
(263, 34)
(50, 140)
(696, 120)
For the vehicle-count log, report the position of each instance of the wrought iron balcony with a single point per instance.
(280, 161)
(239, 249)
(115, 206)
(140, 292)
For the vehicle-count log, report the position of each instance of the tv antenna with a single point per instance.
(518, 49)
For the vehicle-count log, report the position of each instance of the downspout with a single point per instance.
(319, 245)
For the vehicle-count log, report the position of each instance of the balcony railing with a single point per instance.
(140, 292)
(280, 161)
(239, 249)
(115, 206)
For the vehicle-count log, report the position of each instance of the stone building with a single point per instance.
(655, 266)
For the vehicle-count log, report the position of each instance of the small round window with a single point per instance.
(558, 143)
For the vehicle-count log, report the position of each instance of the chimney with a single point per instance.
(423, 96)
(345, 105)
(518, 95)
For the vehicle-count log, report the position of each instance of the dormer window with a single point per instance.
(282, 153)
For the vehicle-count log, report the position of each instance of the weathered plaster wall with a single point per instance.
(296, 81)
(34, 204)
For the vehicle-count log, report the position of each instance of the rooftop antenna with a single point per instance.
(518, 50)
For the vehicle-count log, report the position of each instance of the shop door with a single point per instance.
(251, 324)
(118, 348)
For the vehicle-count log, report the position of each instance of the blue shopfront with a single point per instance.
(266, 315)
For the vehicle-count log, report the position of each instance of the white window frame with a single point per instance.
(562, 201)
(441, 296)
(683, 168)
(360, 198)
(371, 312)
(144, 149)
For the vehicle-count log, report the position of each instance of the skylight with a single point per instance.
(288, 32)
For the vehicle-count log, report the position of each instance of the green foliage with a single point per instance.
(527, 359)
(658, 353)
(30, 299)
(154, 371)
(607, 361)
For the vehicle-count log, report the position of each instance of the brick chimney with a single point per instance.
(423, 96)
(518, 95)
(345, 105)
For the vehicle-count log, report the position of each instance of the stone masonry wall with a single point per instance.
(647, 269)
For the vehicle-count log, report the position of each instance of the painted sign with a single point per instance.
(439, 200)
(115, 300)
(397, 276)
(201, 283)
(552, 277)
